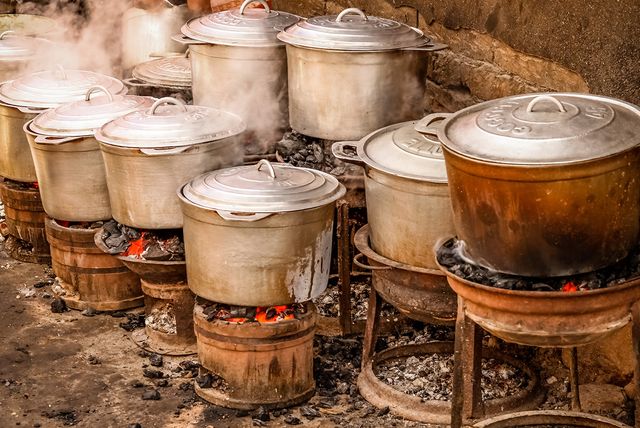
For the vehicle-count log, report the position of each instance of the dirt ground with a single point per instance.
(62, 369)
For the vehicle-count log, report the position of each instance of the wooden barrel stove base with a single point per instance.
(181, 300)
(90, 278)
(382, 395)
(266, 365)
(24, 218)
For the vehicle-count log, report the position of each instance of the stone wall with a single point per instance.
(505, 47)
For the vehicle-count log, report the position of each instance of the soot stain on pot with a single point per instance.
(311, 269)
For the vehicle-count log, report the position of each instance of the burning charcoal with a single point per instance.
(261, 414)
(205, 381)
(151, 394)
(58, 306)
(309, 412)
(292, 420)
(539, 286)
(152, 374)
(156, 360)
(111, 228)
(271, 313)
(131, 233)
(248, 312)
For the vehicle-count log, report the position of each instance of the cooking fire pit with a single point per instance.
(167, 299)
(258, 361)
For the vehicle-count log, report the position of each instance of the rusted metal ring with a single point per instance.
(357, 262)
(546, 417)
(378, 393)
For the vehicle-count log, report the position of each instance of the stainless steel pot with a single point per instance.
(30, 25)
(259, 235)
(408, 205)
(351, 74)
(149, 154)
(29, 95)
(236, 52)
(148, 32)
(17, 53)
(163, 77)
(68, 163)
(545, 185)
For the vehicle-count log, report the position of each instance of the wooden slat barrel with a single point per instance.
(92, 278)
(24, 216)
(263, 364)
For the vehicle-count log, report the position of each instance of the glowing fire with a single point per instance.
(569, 287)
(136, 248)
(263, 314)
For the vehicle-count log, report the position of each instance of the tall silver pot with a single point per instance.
(16, 162)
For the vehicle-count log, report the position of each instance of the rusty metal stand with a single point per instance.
(468, 406)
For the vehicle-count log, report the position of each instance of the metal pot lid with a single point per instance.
(172, 125)
(168, 71)
(408, 149)
(46, 89)
(82, 118)
(352, 30)
(263, 188)
(14, 47)
(539, 129)
(241, 27)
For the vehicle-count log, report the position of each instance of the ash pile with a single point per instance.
(156, 245)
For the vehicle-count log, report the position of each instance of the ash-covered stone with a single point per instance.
(450, 255)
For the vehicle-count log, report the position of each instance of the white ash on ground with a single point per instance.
(328, 303)
(162, 318)
(430, 376)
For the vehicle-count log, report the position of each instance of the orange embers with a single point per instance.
(569, 287)
(136, 248)
(274, 313)
(245, 314)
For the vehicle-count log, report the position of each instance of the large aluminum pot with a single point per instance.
(236, 52)
(24, 98)
(163, 77)
(351, 74)
(17, 53)
(148, 31)
(259, 235)
(408, 206)
(545, 185)
(148, 154)
(67, 158)
(30, 25)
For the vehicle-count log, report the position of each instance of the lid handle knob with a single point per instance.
(351, 11)
(540, 98)
(167, 100)
(264, 162)
(4, 33)
(60, 69)
(98, 88)
(246, 3)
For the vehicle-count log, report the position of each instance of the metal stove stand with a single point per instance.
(468, 407)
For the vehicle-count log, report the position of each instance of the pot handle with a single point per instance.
(167, 100)
(45, 139)
(338, 150)
(540, 98)
(431, 47)
(98, 88)
(132, 81)
(165, 54)
(160, 152)
(185, 40)
(357, 262)
(351, 11)
(235, 216)
(30, 110)
(264, 162)
(431, 123)
(4, 33)
(246, 3)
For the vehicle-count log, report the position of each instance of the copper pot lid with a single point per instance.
(82, 118)
(408, 149)
(353, 30)
(170, 123)
(263, 188)
(172, 71)
(240, 27)
(542, 129)
(46, 89)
